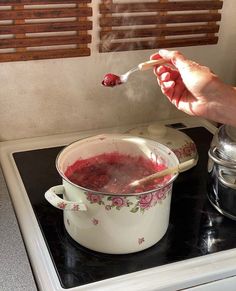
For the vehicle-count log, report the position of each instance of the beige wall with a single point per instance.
(54, 96)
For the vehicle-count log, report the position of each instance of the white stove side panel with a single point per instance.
(228, 284)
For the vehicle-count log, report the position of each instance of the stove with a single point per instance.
(199, 246)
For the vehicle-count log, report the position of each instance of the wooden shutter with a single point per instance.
(44, 29)
(158, 24)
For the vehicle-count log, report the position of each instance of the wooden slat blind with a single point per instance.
(44, 29)
(158, 24)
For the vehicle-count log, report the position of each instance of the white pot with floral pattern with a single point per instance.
(114, 223)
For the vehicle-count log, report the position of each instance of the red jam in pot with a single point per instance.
(113, 172)
(111, 80)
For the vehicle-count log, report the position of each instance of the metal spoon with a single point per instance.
(141, 67)
(111, 80)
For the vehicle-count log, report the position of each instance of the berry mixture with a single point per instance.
(113, 172)
(111, 80)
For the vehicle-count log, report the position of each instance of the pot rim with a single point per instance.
(113, 194)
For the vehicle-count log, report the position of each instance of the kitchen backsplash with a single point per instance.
(48, 29)
(44, 29)
(47, 97)
(134, 25)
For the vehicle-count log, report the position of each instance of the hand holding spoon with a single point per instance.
(111, 80)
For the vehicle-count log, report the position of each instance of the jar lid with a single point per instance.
(179, 142)
(225, 143)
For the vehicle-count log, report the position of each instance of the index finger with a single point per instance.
(155, 56)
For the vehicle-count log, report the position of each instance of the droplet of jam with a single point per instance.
(111, 80)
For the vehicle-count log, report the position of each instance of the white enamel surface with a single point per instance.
(157, 130)
(175, 276)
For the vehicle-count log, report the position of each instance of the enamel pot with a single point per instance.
(114, 223)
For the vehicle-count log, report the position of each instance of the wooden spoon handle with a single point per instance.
(149, 64)
(171, 170)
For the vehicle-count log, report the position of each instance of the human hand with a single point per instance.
(191, 87)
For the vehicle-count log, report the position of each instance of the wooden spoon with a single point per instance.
(172, 170)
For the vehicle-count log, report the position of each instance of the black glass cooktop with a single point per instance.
(195, 228)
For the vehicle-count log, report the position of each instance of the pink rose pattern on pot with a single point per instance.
(143, 203)
(161, 194)
(141, 240)
(94, 198)
(118, 201)
(61, 205)
(75, 207)
(187, 150)
(108, 207)
(146, 201)
(95, 221)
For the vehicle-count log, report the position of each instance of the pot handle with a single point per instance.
(52, 198)
(214, 156)
(224, 182)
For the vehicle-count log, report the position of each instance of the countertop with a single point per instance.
(15, 269)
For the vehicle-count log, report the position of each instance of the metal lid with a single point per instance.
(225, 143)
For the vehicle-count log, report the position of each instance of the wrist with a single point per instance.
(224, 108)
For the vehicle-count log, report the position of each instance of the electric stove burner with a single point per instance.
(195, 228)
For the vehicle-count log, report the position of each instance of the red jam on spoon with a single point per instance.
(111, 80)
